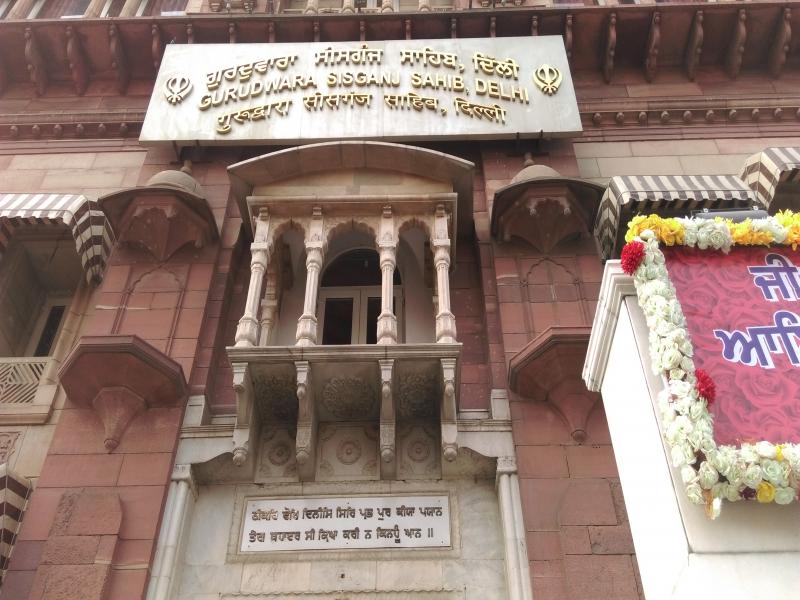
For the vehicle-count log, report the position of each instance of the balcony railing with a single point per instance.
(19, 379)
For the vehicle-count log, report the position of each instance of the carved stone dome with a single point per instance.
(177, 180)
(531, 171)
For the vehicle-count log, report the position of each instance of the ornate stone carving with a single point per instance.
(348, 398)
(417, 396)
(305, 442)
(347, 452)
(34, 58)
(733, 61)
(418, 457)
(448, 410)
(388, 418)
(277, 397)
(610, 47)
(277, 461)
(653, 42)
(694, 47)
(163, 216)
(78, 64)
(8, 441)
(119, 59)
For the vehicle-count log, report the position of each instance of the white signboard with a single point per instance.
(391, 90)
(340, 523)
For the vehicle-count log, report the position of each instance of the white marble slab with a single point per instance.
(265, 93)
(279, 525)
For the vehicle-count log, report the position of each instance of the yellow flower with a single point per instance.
(791, 221)
(744, 235)
(779, 452)
(668, 231)
(765, 493)
(671, 232)
(639, 223)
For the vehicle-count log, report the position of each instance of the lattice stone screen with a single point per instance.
(19, 378)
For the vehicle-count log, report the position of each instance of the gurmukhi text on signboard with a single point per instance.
(342, 523)
(401, 89)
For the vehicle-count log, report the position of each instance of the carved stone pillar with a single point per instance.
(517, 569)
(269, 305)
(181, 498)
(247, 330)
(315, 251)
(387, 321)
(440, 244)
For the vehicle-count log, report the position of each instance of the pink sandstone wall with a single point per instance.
(579, 542)
(91, 526)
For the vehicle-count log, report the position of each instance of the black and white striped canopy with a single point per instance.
(92, 233)
(765, 170)
(668, 195)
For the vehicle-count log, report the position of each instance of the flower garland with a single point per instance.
(763, 471)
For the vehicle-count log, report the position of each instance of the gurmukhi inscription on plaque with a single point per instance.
(342, 523)
(392, 90)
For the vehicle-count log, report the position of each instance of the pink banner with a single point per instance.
(743, 316)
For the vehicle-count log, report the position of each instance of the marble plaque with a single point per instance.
(469, 88)
(341, 523)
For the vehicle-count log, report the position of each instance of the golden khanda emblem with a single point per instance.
(177, 88)
(548, 79)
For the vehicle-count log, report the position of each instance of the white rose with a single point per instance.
(775, 473)
(748, 453)
(688, 474)
(708, 475)
(735, 474)
(752, 476)
(785, 495)
(677, 374)
(695, 493)
(696, 410)
(680, 389)
(678, 456)
(707, 444)
(765, 449)
(720, 238)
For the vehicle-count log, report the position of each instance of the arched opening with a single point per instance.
(350, 298)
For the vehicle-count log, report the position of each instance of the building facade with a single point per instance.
(343, 358)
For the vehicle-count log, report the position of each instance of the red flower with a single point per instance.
(632, 256)
(705, 386)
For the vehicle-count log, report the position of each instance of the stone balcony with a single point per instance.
(301, 386)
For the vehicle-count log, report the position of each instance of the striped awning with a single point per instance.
(765, 170)
(668, 195)
(93, 236)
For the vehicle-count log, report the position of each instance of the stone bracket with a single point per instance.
(388, 421)
(306, 441)
(120, 376)
(448, 410)
(245, 398)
